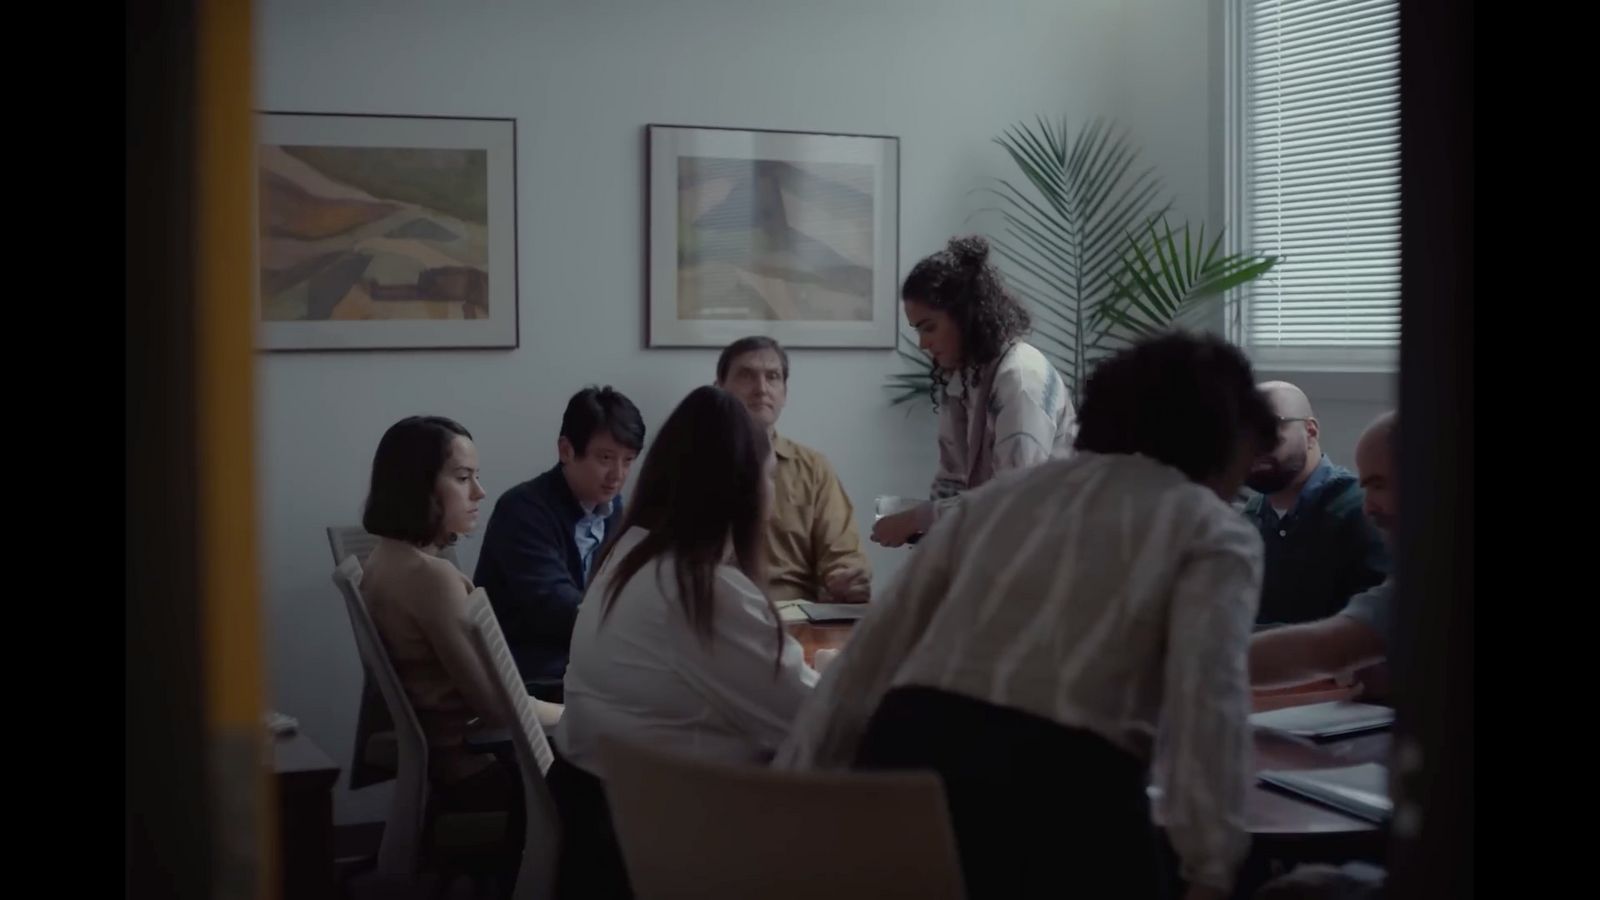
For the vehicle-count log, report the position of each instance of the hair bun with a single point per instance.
(969, 251)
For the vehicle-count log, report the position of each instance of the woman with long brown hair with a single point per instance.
(675, 643)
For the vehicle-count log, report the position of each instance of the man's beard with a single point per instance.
(1280, 475)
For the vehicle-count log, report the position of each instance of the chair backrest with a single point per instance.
(353, 540)
(694, 828)
(371, 758)
(541, 849)
(400, 851)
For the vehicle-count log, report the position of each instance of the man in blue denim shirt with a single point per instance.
(1320, 549)
(540, 547)
(1362, 633)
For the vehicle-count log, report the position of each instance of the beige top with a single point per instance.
(1104, 592)
(812, 529)
(418, 602)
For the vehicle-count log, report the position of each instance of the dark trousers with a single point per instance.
(497, 788)
(591, 859)
(546, 689)
(1039, 809)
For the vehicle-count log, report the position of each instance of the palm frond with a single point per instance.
(1060, 239)
(1156, 286)
(1083, 240)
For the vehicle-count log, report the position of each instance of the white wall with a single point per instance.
(1345, 404)
(582, 79)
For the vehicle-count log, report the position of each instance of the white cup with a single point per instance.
(886, 505)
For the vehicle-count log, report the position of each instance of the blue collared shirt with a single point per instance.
(589, 532)
(1374, 608)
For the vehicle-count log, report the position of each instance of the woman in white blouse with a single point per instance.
(675, 645)
(1056, 622)
(1002, 405)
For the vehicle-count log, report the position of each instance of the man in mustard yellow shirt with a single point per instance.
(813, 548)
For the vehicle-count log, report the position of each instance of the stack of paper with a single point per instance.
(1325, 721)
(1361, 791)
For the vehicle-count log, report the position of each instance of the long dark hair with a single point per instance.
(960, 281)
(701, 488)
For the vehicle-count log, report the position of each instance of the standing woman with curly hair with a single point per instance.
(1002, 405)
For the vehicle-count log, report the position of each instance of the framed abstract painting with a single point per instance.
(386, 232)
(792, 235)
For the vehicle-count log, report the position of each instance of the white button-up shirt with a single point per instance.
(644, 675)
(1104, 592)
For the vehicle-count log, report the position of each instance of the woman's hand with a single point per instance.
(896, 530)
(548, 714)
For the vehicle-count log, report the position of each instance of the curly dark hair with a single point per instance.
(1178, 398)
(960, 281)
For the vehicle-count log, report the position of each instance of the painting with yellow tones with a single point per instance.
(386, 232)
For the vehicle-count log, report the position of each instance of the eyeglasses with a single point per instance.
(1284, 420)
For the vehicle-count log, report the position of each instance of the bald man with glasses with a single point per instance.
(1320, 549)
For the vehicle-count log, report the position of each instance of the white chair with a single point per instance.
(353, 540)
(400, 851)
(542, 842)
(373, 756)
(691, 828)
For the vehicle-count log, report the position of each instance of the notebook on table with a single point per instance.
(833, 612)
(1325, 721)
(1361, 791)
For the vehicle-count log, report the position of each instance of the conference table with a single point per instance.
(1279, 823)
(1284, 829)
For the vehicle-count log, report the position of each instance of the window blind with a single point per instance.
(1322, 171)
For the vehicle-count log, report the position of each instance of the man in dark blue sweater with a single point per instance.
(1320, 549)
(545, 534)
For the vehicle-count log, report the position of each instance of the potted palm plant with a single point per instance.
(1085, 242)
